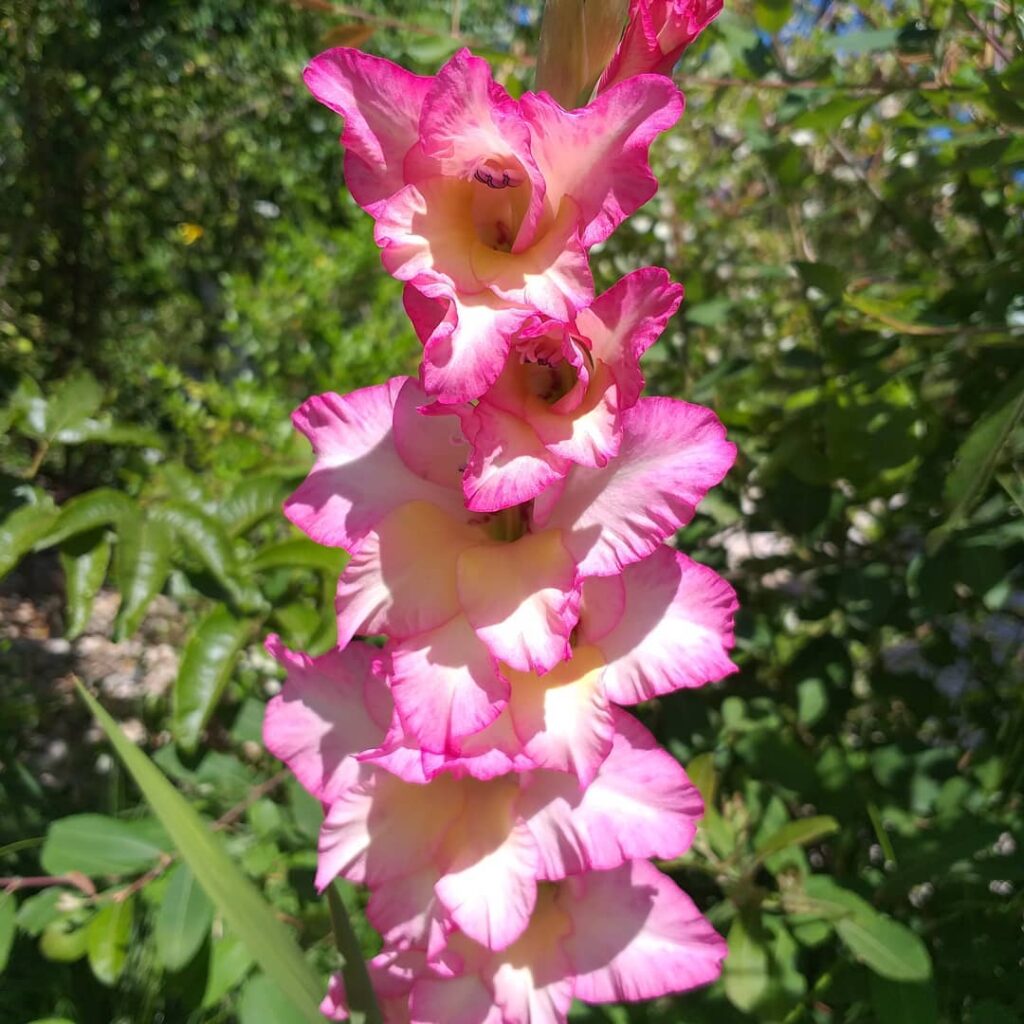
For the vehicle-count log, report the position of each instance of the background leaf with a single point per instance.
(235, 897)
(109, 938)
(85, 558)
(183, 920)
(206, 667)
(97, 845)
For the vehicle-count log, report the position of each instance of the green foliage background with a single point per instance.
(180, 265)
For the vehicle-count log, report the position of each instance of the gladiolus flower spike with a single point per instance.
(509, 518)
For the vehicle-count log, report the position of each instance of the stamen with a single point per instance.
(487, 178)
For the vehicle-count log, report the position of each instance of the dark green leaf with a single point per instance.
(101, 507)
(85, 558)
(798, 833)
(143, 562)
(97, 845)
(253, 499)
(108, 940)
(183, 921)
(238, 901)
(978, 458)
(886, 946)
(205, 670)
(208, 542)
(900, 1002)
(300, 553)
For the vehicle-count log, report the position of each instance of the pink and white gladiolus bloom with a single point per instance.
(456, 851)
(665, 624)
(461, 593)
(486, 204)
(603, 936)
(561, 394)
(656, 35)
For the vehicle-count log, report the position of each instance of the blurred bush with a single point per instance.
(180, 266)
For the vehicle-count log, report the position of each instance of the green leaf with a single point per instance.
(896, 1002)
(300, 553)
(206, 666)
(237, 899)
(262, 1002)
(143, 563)
(101, 507)
(105, 432)
(208, 542)
(97, 845)
(36, 912)
(8, 914)
(745, 974)
(183, 921)
(701, 771)
(886, 946)
(797, 833)
(977, 459)
(84, 558)
(866, 40)
(771, 15)
(253, 499)
(70, 403)
(20, 531)
(230, 961)
(108, 940)
(823, 276)
(64, 941)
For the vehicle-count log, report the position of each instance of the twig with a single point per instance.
(13, 883)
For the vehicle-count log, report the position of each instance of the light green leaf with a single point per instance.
(97, 845)
(863, 41)
(106, 432)
(745, 975)
(143, 563)
(253, 499)
(239, 902)
(100, 507)
(8, 913)
(37, 911)
(20, 531)
(206, 667)
(70, 403)
(230, 960)
(701, 772)
(300, 553)
(183, 921)
(797, 833)
(771, 15)
(262, 1002)
(886, 946)
(84, 558)
(108, 939)
(64, 941)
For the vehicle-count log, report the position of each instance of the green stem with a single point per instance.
(362, 1002)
